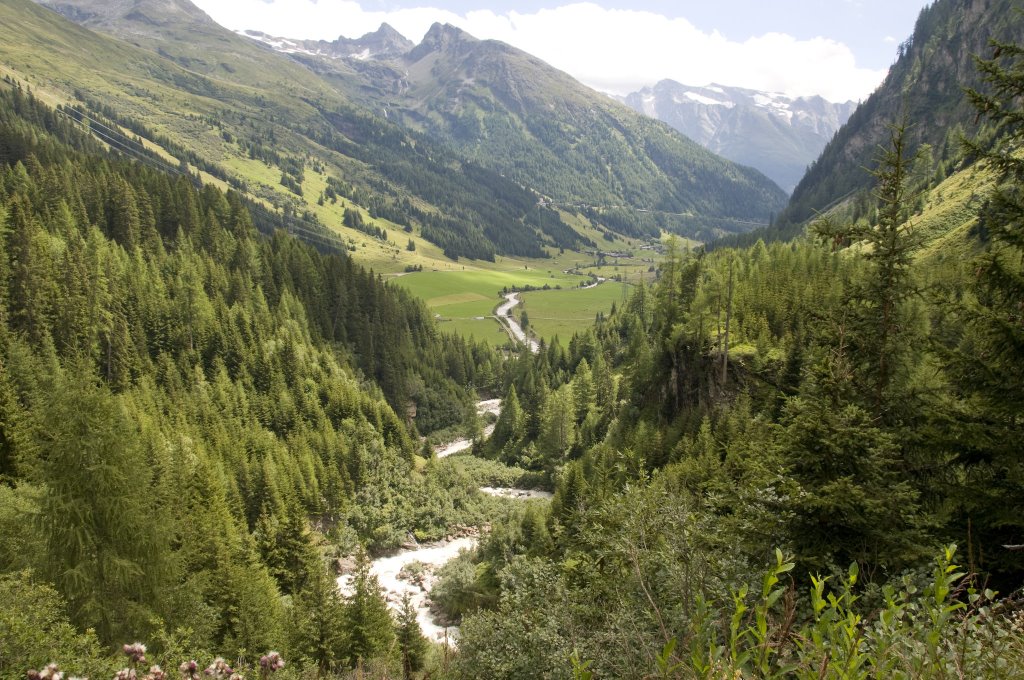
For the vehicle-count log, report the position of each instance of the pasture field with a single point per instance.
(464, 301)
(564, 312)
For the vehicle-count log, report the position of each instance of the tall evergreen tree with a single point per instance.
(880, 333)
(369, 625)
(987, 363)
(411, 642)
(103, 554)
(318, 629)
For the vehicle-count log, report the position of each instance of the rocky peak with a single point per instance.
(442, 38)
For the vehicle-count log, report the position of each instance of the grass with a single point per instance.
(949, 212)
(564, 312)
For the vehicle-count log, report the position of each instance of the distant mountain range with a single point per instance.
(514, 113)
(384, 43)
(925, 89)
(778, 135)
(470, 144)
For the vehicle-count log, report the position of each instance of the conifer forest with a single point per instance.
(792, 452)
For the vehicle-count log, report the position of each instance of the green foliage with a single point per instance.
(318, 627)
(368, 623)
(182, 400)
(411, 643)
(35, 630)
(107, 552)
(984, 332)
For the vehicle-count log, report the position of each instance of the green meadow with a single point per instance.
(564, 312)
(464, 300)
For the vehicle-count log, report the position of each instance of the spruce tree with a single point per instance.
(368, 623)
(880, 328)
(410, 639)
(318, 629)
(103, 554)
(987, 363)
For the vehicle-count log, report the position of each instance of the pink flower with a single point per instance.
(155, 673)
(136, 651)
(219, 669)
(271, 661)
(189, 670)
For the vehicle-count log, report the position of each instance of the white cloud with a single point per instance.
(609, 49)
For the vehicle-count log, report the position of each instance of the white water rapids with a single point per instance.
(434, 555)
(482, 407)
(387, 570)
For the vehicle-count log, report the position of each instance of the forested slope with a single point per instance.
(769, 463)
(188, 407)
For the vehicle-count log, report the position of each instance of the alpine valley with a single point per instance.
(369, 358)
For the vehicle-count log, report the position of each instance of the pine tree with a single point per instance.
(367, 621)
(840, 440)
(880, 333)
(410, 639)
(318, 628)
(511, 424)
(558, 423)
(103, 554)
(987, 364)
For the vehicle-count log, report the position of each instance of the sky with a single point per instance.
(838, 49)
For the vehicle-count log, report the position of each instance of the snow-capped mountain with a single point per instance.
(384, 43)
(778, 135)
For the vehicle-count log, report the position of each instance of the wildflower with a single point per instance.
(51, 672)
(126, 674)
(271, 661)
(189, 670)
(136, 651)
(155, 673)
(219, 669)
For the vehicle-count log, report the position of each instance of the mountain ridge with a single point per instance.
(772, 132)
(412, 138)
(517, 115)
(924, 87)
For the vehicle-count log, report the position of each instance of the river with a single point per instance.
(432, 556)
(504, 314)
(388, 571)
(482, 407)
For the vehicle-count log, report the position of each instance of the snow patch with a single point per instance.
(706, 101)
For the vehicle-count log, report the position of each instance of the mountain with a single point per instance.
(147, 17)
(778, 135)
(518, 116)
(378, 142)
(384, 43)
(925, 88)
(260, 122)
